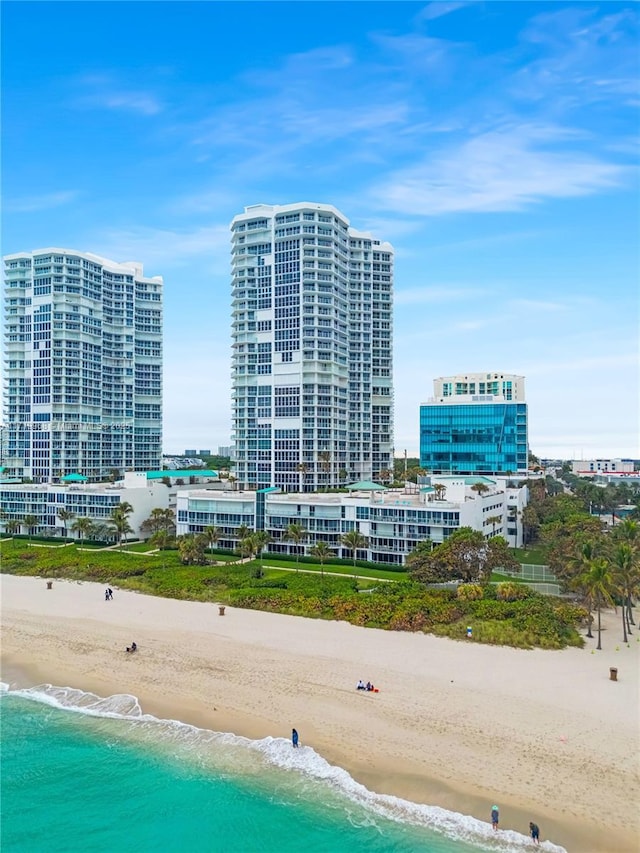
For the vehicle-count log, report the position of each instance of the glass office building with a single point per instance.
(489, 438)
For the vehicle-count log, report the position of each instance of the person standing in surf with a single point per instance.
(495, 817)
(294, 738)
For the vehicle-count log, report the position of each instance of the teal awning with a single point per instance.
(365, 486)
(74, 478)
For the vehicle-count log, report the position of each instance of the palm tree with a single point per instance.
(161, 540)
(493, 520)
(385, 475)
(120, 519)
(581, 564)
(353, 540)
(160, 519)
(260, 541)
(322, 551)
(65, 515)
(247, 546)
(13, 526)
(242, 532)
(439, 489)
(325, 463)
(30, 521)
(297, 533)
(82, 526)
(626, 577)
(212, 535)
(191, 549)
(480, 488)
(302, 470)
(599, 582)
(628, 531)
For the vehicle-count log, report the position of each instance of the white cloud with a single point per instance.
(583, 57)
(102, 91)
(438, 9)
(36, 203)
(501, 170)
(164, 247)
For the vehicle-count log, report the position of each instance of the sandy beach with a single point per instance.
(545, 734)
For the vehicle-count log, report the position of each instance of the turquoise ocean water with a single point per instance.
(80, 773)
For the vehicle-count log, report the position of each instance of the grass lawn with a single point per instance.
(346, 569)
(140, 547)
(533, 556)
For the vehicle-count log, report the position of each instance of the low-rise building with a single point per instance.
(95, 501)
(589, 467)
(393, 521)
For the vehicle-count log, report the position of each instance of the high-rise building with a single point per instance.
(475, 424)
(83, 366)
(312, 349)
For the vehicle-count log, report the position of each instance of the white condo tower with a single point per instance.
(83, 366)
(312, 349)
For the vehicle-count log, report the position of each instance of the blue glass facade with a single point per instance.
(475, 438)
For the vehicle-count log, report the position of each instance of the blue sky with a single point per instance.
(494, 144)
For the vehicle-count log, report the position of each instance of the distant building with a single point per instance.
(204, 453)
(502, 385)
(393, 521)
(312, 334)
(191, 453)
(226, 451)
(589, 467)
(476, 424)
(82, 366)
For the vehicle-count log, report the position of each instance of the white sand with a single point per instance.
(544, 734)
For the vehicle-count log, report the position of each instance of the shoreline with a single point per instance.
(454, 725)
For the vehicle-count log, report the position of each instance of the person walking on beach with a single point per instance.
(495, 817)
(110, 591)
(535, 832)
(106, 595)
(294, 738)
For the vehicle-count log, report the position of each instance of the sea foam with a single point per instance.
(277, 752)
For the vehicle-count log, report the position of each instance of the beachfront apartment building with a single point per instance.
(95, 501)
(82, 366)
(312, 370)
(475, 424)
(393, 521)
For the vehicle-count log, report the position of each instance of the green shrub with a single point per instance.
(470, 592)
(402, 605)
(509, 591)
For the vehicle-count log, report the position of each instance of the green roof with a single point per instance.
(365, 486)
(268, 489)
(187, 472)
(74, 478)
